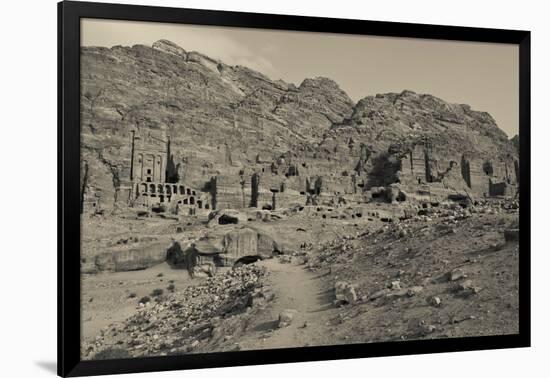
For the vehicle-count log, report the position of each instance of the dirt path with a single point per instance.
(298, 289)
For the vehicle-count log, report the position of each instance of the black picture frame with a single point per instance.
(69, 15)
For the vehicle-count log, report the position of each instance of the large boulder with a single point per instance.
(248, 242)
(140, 258)
(286, 317)
(169, 48)
(345, 292)
(134, 257)
(266, 245)
(241, 242)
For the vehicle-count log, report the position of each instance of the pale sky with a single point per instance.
(483, 75)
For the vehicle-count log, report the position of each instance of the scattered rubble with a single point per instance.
(286, 317)
(345, 293)
(183, 321)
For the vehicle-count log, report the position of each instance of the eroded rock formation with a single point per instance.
(244, 140)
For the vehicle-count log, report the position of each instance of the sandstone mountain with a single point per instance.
(223, 119)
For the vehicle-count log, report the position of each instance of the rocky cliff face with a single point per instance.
(407, 116)
(225, 119)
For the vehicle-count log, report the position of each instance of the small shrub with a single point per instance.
(171, 288)
(144, 300)
(111, 354)
(157, 292)
(132, 295)
(160, 275)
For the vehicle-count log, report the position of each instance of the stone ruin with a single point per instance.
(416, 174)
(154, 185)
(412, 172)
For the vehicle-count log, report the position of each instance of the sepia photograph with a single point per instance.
(254, 189)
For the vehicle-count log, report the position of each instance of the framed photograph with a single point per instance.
(239, 188)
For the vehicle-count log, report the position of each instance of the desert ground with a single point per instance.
(452, 272)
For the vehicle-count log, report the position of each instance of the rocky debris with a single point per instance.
(286, 317)
(345, 293)
(300, 257)
(455, 274)
(414, 290)
(188, 320)
(465, 288)
(395, 285)
(434, 301)
(379, 294)
(419, 327)
(285, 259)
(443, 262)
(204, 270)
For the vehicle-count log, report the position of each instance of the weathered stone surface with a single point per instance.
(455, 274)
(345, 292)
(434, 301)
(414, 290)
(286, 317)
(241, 242)
(131, 258)
(136, 259)
(209, 110)
(169, 47)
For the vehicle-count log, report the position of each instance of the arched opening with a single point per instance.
(152, 188)
(186, 201)
(191, 200)
(246, 260)
(182, 189)
(199, 204)
(207, 206)
(168, 189)
(160, 188)
(143, 187)
(188, 191)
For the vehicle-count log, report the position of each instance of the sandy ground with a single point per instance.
(106, 296)
(371, 261)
